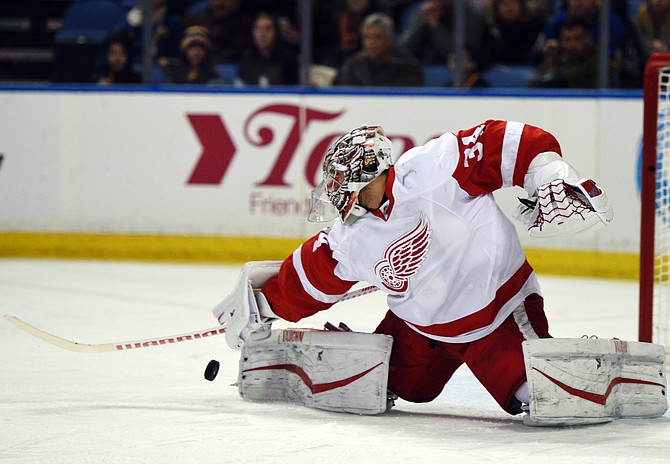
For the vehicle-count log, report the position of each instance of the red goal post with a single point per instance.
(654, 311)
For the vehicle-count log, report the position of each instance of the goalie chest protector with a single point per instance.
(331, 370)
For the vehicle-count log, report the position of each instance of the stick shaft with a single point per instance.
(71, 345)
(113, 346)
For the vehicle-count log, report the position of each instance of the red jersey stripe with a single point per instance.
(533, 142)
(289, 292)
(485, 316)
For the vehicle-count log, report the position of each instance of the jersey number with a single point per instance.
(473, 148)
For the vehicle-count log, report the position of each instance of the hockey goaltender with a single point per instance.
(424, 228)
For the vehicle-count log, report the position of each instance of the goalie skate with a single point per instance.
(589, 381)
(331, 370)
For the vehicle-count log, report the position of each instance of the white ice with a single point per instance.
(153, 405)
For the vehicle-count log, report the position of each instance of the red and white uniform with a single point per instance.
(446, 255)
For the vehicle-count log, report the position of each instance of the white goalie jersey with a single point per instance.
(446, 255)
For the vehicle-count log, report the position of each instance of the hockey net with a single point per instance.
(654, 321)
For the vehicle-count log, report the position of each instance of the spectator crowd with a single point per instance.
(387, 42)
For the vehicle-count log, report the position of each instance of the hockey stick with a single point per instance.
(113, 346)
(133, 344)
(351, 294)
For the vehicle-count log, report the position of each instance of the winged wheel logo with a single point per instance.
(404, 256)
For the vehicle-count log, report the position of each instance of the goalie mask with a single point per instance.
(351, 163)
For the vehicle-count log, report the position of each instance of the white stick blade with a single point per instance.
(114, 346)
(56, 340)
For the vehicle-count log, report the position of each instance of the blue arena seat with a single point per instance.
(228, 72)
(128, 4)
(196, 7)
(90, 21)
(79, 45)
(509, 76)
(436, 76)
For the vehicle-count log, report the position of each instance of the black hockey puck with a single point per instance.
(212, 369)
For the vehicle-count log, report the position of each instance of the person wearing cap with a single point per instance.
(196, 66)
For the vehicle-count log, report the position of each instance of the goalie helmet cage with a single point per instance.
(654, 310)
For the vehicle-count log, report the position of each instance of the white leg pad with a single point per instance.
(587, 381)
(335, 371)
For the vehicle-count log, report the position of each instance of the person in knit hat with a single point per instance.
(196, 66)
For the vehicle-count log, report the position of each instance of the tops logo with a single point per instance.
(219, 147)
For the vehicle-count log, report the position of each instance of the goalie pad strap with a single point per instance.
(586, 381)
(335, 371)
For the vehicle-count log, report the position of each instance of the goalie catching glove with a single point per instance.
(246, 312)
(562, 202)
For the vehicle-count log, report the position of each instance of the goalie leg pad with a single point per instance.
(588, 381)
(334, 371)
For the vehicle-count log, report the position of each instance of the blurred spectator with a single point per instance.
(348, 20)
(653, 22)
(515, 26)
(574, 63)
(472, 71)
(118, 65)
(177, 7)
(196, 66)
(396, 9)
(276, 8)
(380, 62)
(166, 32)
(268, 61)
(228, 25)
(550, 7)
(589, 12)
(629, 65)
(324, 27)
(430, 34)
(625, 48)
(288, 22)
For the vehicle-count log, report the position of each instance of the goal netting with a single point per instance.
(654, 322)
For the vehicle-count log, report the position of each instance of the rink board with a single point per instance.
(179, 171)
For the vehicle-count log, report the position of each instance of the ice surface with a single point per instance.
(153, 405)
